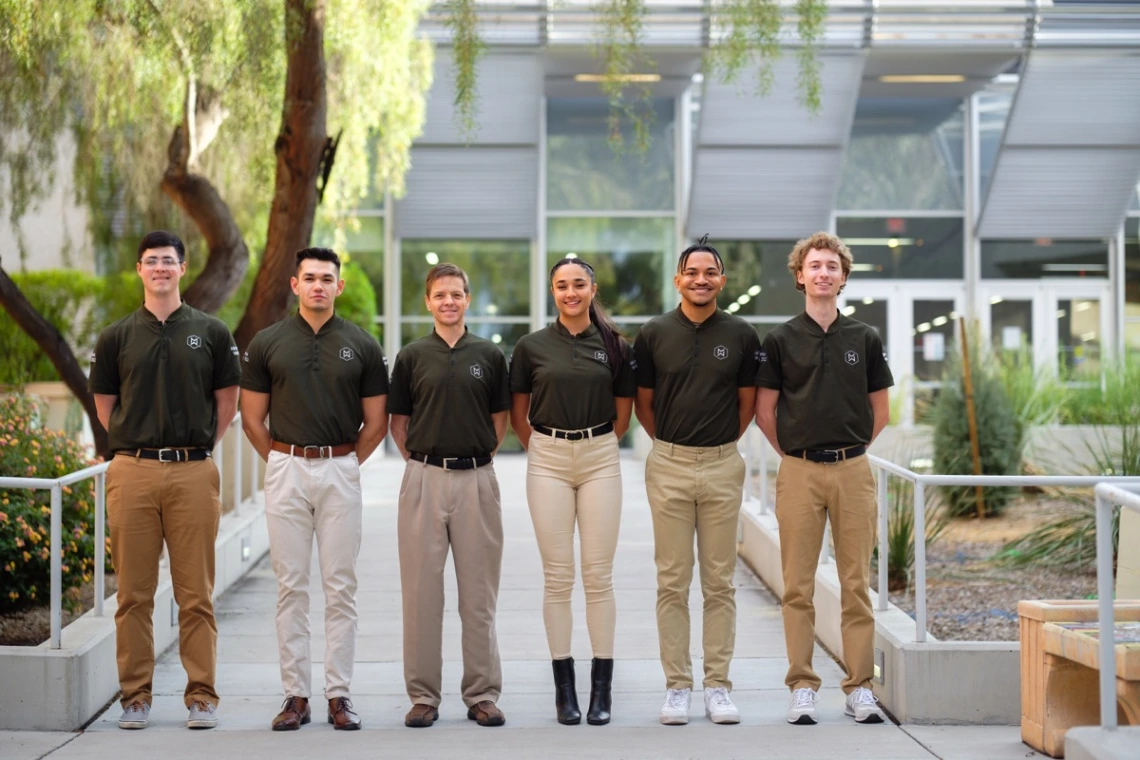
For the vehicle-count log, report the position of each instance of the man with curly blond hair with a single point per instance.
(822, 400)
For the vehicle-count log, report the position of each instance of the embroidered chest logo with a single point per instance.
(476, 372)
(194, 341)
(346, 354)
(851, 358)
(720, 352)
(601, 356)
(246, 356)
(762, 357)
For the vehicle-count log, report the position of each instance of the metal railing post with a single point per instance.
(883, 527)
(236, 469)
(764, 508)
(1104, 510)
(56, 565)
(919, 561)
(100, 541)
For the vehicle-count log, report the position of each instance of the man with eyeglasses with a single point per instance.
(696, 377)
(165, 383)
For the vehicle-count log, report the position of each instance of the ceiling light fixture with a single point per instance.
(631, 78)
(922, 78)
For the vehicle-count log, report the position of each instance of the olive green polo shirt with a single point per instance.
(450, 395)
(570, 378)
(315, 380)
(165, 375)
(695, 371)
(824, 379)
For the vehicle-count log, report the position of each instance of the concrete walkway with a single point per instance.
(249, 683)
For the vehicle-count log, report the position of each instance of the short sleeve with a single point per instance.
(642, 362)
(501, 390)
(749, 360)
(254, 366)
(227, 367)
(400, 387)
(769, 374)
(520, 369)
(104, 377)
(374, 380)
(879, 374)
(625, 384)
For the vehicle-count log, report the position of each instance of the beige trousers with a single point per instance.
(568, 482)
(695, 490)
(306, 498)
(456, 509)
(149, 502)
(807, 495)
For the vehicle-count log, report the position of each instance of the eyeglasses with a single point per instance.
(167, 262)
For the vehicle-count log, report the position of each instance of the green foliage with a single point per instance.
(623, 58)
(1038, 397)
(1001, 435)
(466, 47)
(77, 304)
(1066, 541)
(900, 530)
(28, 450)
(358, 301)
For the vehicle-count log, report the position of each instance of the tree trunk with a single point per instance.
(299, 147)
(229, 256)
(52, 343)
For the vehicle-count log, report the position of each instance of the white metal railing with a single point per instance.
(1108, 496)
(889, 469)
(99, 472)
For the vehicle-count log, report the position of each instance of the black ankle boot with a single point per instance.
(601, 682)
(565, 695)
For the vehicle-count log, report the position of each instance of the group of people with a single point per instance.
(317, 400)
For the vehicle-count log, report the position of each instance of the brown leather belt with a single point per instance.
(313, 452)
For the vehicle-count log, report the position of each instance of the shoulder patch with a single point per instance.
(92, 357)
(234, 350)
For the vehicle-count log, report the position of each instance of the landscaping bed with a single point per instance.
(32, 626)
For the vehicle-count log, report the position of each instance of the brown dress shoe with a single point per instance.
(341, 715)
(486, 713)
(294, 714)
(421, 716)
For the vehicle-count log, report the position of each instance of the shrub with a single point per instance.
(1001, 434)
(28, 450)
(358, 301)
(900, 530)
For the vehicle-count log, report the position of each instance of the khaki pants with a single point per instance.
(459, 509)
(149, 502)
(808, 494)
(695, 490)
(568, 482)
(306, 498)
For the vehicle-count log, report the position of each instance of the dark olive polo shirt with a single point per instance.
(823, 379)
(315, 381)
(165, 375)
(570, 378)
(695, 372)
(450, 395)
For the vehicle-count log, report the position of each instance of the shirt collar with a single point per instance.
(560, 329)
(175, 315)
(305, 327)
(814, 328)
(464, 338)
(712, 320)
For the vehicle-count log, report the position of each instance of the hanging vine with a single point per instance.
(811, 17)
(625, 71)
(467, 48)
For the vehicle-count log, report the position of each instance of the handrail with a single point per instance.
(99, 473)
(1107, 497)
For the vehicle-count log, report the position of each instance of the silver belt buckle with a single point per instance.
(448, 459)
(320, 452)
(176, 455)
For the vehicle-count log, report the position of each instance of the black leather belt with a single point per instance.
(576, 435)
(451, 463)
(166, 455)
(828, 456)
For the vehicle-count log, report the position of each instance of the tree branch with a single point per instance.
(52, 343)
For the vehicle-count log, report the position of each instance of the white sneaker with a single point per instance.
(202, 715)
(718, 706)
(863, 707)
(675, 711)
(135, 715)
(802, 707)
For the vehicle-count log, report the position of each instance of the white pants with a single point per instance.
(303, 498)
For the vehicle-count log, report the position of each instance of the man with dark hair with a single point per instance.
(696, 377)
(450, 401)
(323, 382)
(823, 399)
(165, 386)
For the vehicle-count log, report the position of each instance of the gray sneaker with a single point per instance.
(135, 715)
(202, 715)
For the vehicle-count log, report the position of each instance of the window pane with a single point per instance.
(1078, 337)
(759, 283)
(365, 247)
(627, 255)
(993, 112)
(873, 313)
(1132, 335)
(1044, 257)
(1132, 267)
(1011, 325)
(904, 247)
(583, 172)
(904, 154)
(498, 270)
(934, 325)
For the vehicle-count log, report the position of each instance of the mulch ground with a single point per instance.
(32, 626)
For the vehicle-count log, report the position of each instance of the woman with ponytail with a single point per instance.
(573, 387)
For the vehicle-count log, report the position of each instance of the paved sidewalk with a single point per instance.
(249, 684)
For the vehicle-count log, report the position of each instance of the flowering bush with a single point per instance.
(27, 450)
